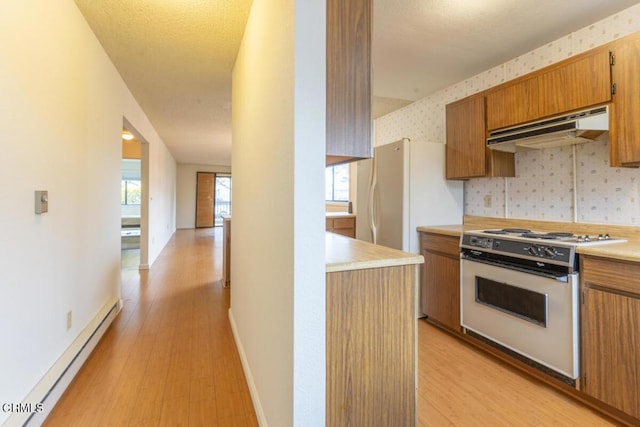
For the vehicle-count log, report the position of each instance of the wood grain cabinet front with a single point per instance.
(576, 83)
(512, 103)
(467, 155)
(440, 279)
(610, 333)
(624, 133)
(371, 347)
(344, 226)
(573, 84)
(349, 119)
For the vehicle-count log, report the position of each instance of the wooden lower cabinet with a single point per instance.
(345, 226)
(440, 279)
(610, 333)
(371, 352)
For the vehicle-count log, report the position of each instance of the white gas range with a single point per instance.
(519, 292)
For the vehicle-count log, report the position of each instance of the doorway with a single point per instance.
(134, 196)
(213, 198)
(130, 199)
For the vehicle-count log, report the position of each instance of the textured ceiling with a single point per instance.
(176, 56)
(421, 46)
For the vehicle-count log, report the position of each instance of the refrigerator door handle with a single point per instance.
(372, 198)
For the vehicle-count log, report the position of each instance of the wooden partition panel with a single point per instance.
(371, 353)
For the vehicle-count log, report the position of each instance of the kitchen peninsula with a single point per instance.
(371, 333)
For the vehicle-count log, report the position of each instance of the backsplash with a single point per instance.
(544, 184)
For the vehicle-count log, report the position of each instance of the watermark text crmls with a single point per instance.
(22, 407)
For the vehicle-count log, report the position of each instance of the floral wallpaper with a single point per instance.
(605, 194)
(544, 184)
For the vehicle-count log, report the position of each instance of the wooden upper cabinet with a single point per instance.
(467, 152)
(466, 138)
(513, 103)
(624, 114)
(349, 119)
(570, 85)
(575, 84)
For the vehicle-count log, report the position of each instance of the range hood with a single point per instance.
(570, 129)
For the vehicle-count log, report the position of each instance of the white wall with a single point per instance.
(61, 114)
(277, 263)
(543, 186)
(186, 181)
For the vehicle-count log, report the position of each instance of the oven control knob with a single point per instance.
(550, 252)
(533, 250)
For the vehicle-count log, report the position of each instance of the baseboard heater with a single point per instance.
(49, 390)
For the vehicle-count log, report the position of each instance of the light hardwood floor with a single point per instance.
(170, 359)
(459, 385)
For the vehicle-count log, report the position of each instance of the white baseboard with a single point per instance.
(257, 406)
(50, 388)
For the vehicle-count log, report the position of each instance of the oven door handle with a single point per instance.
(465, 257)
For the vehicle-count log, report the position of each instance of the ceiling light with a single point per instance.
(127, 135)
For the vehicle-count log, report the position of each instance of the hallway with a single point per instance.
(169, 358)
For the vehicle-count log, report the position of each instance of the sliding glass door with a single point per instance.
(222, 202)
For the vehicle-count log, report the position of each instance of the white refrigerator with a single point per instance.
(401, 188)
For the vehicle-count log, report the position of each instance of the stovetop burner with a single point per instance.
(508, 231)
(538, 236)
(552, 247)
(560, 234)
(516, 230)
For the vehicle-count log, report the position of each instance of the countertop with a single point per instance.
(340, 215)
(448, 230)
(345, 254)
(628, 251)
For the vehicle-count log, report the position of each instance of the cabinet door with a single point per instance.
(624, 133)
(440, 293)
(349, 119)
(345, 226)
(466, 138)
(513, 104)
(578, 84)
(610, 349)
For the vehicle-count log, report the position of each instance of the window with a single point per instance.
(337, 183)
(130, 183)
(222, 200)
(130, 192)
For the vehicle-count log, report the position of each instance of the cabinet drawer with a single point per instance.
(344, 223)
(329, 223)
(449, 245)
(614, 274)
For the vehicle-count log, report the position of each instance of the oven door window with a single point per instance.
(523, 303)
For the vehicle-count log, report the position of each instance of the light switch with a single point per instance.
(41, 201)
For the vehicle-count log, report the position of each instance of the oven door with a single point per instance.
(529, 314)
